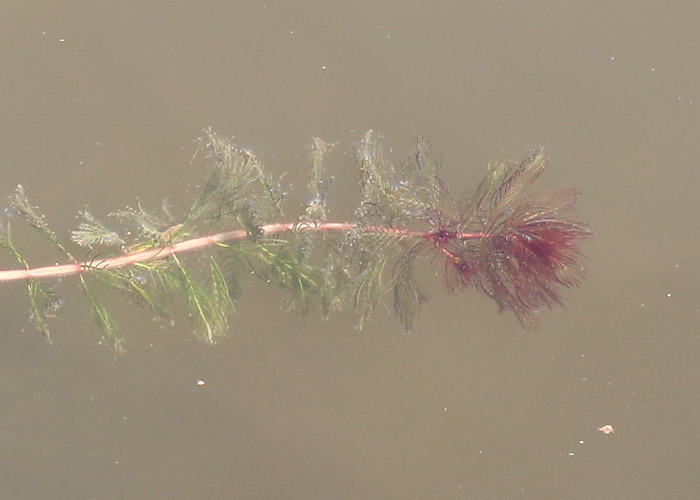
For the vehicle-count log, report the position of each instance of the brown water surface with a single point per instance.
(101, 102)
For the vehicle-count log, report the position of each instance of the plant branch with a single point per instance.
(519, 250)
(202, 242)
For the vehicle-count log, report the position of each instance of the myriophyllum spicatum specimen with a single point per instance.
(517, 248)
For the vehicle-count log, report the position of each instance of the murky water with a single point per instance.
(100, 105)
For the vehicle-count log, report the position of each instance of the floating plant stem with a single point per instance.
(519, 249)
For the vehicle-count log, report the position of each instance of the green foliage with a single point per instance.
(103, 318)
(21, 205)
(283, 264)
(43, 302)
(413, 196)
(92, 232)
(153, 230)
(318, 185)
(505, 184)
(237, 186)
(208, 307)
(408, 294)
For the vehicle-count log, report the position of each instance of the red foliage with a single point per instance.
(525, 258)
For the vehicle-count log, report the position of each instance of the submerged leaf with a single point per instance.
(92, 232)
(208, 309)
(43, 304)
(285, 266)
(21, 204)
(318, 185)
(408, 295)
(149, 226)
(104, 319)
(236, 180)
(501, 188)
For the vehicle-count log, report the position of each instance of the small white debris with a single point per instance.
(200, 382)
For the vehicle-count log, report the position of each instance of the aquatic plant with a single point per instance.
(518, 249)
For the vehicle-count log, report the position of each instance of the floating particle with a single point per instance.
(607, 429)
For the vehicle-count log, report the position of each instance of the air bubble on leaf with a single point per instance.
(140, 278)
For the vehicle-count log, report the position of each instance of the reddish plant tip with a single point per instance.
(527, 265)
(524, 257)
(545, 245)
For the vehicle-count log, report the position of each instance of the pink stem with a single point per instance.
(203, 242)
